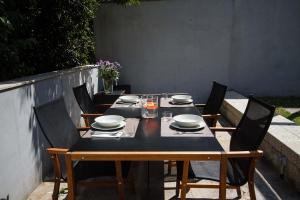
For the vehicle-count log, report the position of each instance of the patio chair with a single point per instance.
(125, 87)
(238, 165)
(210, 111)
(86, 104)
(60, 132)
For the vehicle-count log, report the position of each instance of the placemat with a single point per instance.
(119, 104)
(167, 131)
(165, 103)
(128, 131)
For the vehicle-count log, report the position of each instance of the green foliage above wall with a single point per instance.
(38, 36)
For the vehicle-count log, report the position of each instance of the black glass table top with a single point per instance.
(148, 136)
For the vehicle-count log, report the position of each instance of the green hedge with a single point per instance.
(38, 36)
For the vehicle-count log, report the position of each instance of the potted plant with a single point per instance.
(109, 72)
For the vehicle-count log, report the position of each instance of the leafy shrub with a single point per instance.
(39, 36)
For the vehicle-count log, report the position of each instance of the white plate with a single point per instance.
(129, 98)
(187, 120)
(181, 103)
(109, 121)
(199, 126)
(181, 98)
(95, 125)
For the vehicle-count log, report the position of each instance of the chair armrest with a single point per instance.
(199, 105)
(91, 115)
(57, 150)
(104, 105)
(228, 129)
(244, 154)
(83, 128)
(211, 116)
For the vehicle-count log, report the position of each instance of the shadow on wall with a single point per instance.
(7, 198)
(39, 93)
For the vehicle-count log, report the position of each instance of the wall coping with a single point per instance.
(28, 80)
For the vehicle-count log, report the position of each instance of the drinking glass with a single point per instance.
(167, 116)
(164, 95)
(143, 99)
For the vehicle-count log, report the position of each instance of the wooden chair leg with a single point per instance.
(70, 177)
(223, 175)
(57, 176)
(251, 190)
(239, 193)
(251, 180)
(120, 182)
(86, 122)
(56, 188)
(177, 188)
(214, 123)
(170, 163)
(184, 179)
(169, 167)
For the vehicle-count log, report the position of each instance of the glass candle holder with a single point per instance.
(150, 107)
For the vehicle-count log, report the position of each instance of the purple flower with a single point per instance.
(107, 65)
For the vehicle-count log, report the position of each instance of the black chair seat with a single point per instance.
(91, 169)
(201, 170)
(210, 170)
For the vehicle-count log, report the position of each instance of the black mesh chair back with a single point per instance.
(248, 136)
(83, 99)
(214, 102)
(215, 99)
(56, 125)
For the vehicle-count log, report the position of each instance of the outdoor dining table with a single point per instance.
(148, 144)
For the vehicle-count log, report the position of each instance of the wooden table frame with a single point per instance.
(185, 156)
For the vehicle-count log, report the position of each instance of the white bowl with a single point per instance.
(129, 99)
(109, 120)
(187, 120)
(181, 98)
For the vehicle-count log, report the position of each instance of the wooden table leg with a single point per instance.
(223, 176)
(184, 179)
(70, 177)
(120, 181)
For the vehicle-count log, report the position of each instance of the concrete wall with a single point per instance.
(24, 161)
(183, 45)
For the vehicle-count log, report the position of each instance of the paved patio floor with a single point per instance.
(268, 185)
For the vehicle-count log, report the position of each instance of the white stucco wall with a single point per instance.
(183, 45)
(24, 161)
